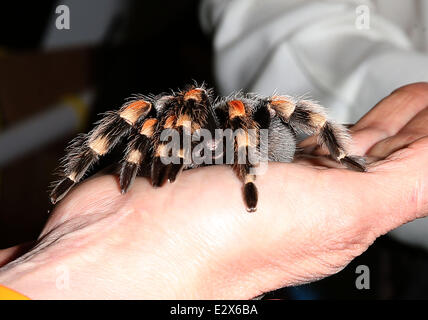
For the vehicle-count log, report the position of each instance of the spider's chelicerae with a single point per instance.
(168, 133)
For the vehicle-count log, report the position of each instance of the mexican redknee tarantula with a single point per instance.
(144, 121)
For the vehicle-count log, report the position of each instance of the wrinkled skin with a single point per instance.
(194, 239)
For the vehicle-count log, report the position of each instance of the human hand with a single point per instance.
(194, 238)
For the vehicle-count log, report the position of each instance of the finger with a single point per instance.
(404, 177)
(387, 118)
(418, 126)
(416, 129)
(390, 115)
(393, 112)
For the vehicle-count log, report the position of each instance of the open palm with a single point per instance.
(194, 238)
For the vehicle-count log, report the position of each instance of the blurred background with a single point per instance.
(55, 80)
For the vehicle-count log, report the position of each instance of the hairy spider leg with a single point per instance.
(86, 150)
(138, 153)
(240, 121)
(309, 117)
(190, 111)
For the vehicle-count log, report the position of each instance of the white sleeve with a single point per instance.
(312, 48)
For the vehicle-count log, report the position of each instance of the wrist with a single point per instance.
(68, 278)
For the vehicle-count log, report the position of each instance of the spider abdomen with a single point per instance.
(282, 142)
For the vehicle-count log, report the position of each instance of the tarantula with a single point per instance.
(184, 117)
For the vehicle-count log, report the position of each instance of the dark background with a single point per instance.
(152, 47)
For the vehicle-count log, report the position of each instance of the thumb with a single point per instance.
(401, 180)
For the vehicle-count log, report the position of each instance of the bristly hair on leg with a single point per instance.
(86, 150)
(59, 188)
(137, 126)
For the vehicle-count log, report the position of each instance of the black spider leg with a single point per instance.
(310, 118)
(176, 167)
(86, 150)
(187, 112)
(165, 127)
(138, 155)
(245, 142)
(330, 136)
(197, 104)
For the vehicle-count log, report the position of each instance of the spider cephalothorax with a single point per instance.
(163, 135)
